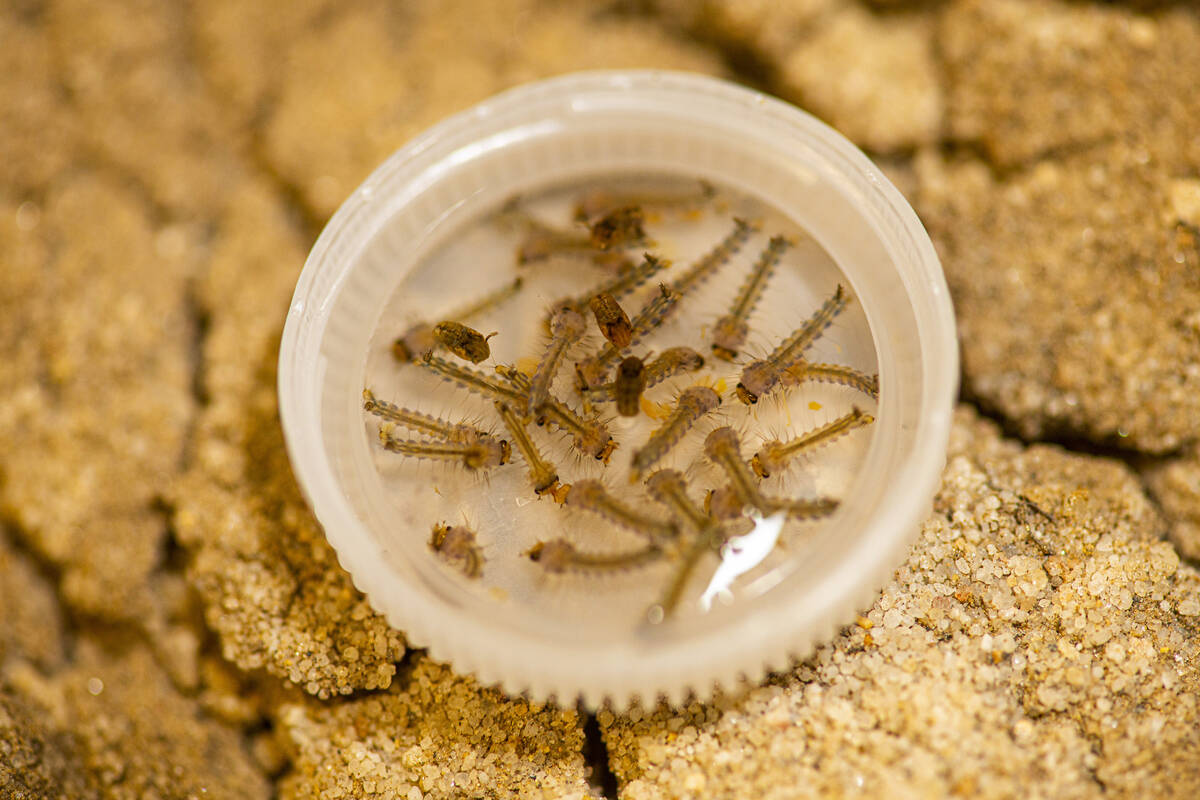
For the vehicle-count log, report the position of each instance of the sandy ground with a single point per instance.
(172, 622)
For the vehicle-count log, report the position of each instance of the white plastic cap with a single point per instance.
(623, 122)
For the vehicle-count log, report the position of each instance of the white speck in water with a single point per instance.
(742, 554)
(95, 686)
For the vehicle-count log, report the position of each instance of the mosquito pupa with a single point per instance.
(566, 328)
(671, 362)
(542, 475)
(724, 448)
(456, 545)
(600, 201)
(474, 455)
(588, 435)
(465, 342)
(422, 423)
(419, 339)
(730, 331)
(831, 373)
(775, 455)
(558, 556)
(612, 320)
(621, 227)
(693, 403)
(714, 259)
(475, 381)
(760, 377)
(590, 495)
(628, 386)
(592, 371)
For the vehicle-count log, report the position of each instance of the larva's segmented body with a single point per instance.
(456, 545)
(731, 330)
(671, 362)
(483, 453)
(566, 328)
(775, 455)
(668, 487)
(709, 263)
(558, 556)
(761, 377)
(592, 371)
(692, 404)
(597, 202)
(590, 495)
(474, 381)
(542, 475)
(417, 421)
(724, 449)
(831, 373)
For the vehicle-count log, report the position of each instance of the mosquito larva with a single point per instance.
(709, 263)
(566, 329)
(775, 455)
(558, 555)
(542, 475)
(621, 227)
(474, 381)
(456, 545)
(465, 342)
(628, 386)
(474, 455)
(707, 539)
(806, 509)
(541, 241)
(420, 339)
(612, 320)
(589, 436)
(693, 403)
(590, 495)
(491, 300)
(731, 330)
(417, 421)
(668, 487)
(760, 377)
(592, 371)
(599, 201)
(831, 373)
(724, 448)
(672, 362)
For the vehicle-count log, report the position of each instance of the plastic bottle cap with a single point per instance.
(592, 124)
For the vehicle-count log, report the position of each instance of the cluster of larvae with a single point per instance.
(610, 373)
